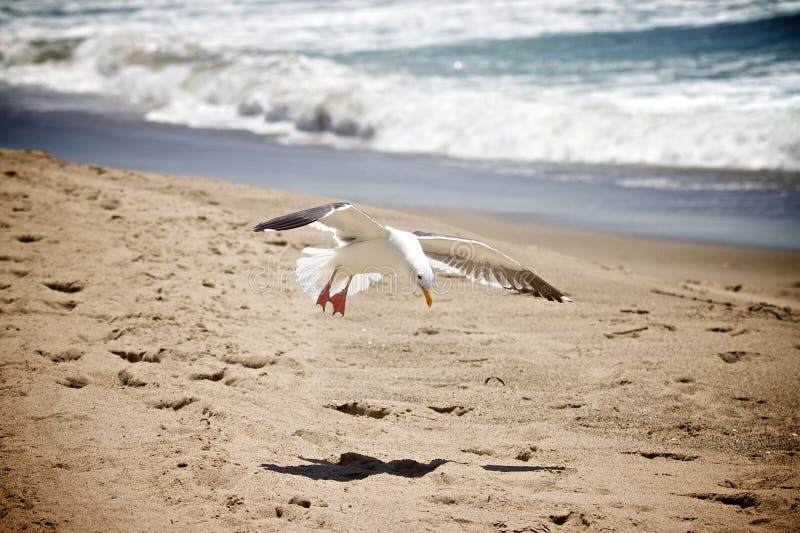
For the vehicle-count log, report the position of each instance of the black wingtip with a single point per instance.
(299, 218)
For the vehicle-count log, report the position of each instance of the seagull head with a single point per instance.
(423, 274)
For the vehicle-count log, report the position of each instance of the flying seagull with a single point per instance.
(367, 249)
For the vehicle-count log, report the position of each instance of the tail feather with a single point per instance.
(361, 282)
(315, 269)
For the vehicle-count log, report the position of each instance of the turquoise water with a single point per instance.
(663, 83)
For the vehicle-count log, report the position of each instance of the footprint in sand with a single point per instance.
(690, 428)
(256, 361)
(27, 238)
(570, 518)
(748, 399)
(302, 502)
(73, 382)
(247, 360)
(526, 454)
(494, 380)
(479, 451)
(635, 311)
(176, 404)
(362, 409)
(142, 356)
(129, 380)
(736, 356)
(742, 500)
(68, 305)
(443, 499)
(110, 204)
(773, 311)
(633, 333)
(568, 405)
(69, 287)
(233, 501)
(210, 375)
(720, 329)
(70, 354)
(117, 333)
(458, 410)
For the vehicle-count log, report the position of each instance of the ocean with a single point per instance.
(667, 82)
(699, 99)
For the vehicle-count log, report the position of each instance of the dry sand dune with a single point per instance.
(157, 373)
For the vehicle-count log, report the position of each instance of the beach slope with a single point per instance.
(160, 368)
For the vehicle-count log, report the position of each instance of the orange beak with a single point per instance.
(427, 294)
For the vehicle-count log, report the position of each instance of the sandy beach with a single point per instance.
(161, 370)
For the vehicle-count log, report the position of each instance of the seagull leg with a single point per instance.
(338, 299)
(325, 296)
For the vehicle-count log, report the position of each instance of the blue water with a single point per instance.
(653, 82)
(669, 118)
(727, 50)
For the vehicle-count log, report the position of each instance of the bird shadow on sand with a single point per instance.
(352, 466)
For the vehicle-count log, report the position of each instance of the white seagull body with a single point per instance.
(366, 250)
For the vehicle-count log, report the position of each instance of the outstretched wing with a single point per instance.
(478, 261)
(346, 222)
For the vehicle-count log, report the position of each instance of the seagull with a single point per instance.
(367, 249)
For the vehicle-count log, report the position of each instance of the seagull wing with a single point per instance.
(347, 222)
(478, 261)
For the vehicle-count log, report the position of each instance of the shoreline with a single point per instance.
(135, 346)
(541, 194)
(38, 100)
(731, 265)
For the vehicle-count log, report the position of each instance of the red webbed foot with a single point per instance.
(340, 298)
(324, 297)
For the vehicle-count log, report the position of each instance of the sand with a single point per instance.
(160, 369)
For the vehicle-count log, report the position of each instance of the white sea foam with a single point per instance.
(673, 184)
(200, 69)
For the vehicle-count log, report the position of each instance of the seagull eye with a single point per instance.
(419, 276)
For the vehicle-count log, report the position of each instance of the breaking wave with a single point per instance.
(733, 102)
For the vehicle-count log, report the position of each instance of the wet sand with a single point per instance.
(156, 373)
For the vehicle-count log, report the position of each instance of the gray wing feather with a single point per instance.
(299, 218)
(481, 263)
(346, 222)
